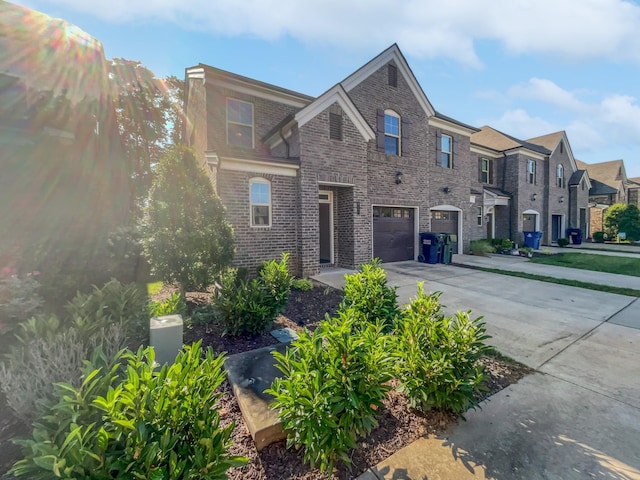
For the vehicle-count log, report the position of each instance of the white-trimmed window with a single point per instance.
(560, 175)
(531, 171)
(485, 170)
(260, 199)
(391, 132)
(239, 123)
(446, 151)
(479, 216)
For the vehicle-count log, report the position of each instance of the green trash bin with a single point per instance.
(446, 254)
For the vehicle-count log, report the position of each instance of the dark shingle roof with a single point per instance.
(576, 177)
(599, 188)
(497, 140)
(453, 120)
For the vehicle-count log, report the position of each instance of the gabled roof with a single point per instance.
(496, 140)
(635, 180)
(551, 142)
(496, 192)
(576, 177)
(391, 53)
(336, 94)
(610, 173)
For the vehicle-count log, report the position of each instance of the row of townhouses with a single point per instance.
(361, 170)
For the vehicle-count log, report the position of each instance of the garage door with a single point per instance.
(393, 233)
(445, 221)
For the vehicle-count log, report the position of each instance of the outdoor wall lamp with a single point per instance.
(357, 208)
(561, 199)
(398, 178)
(446, 189)
(533, 197)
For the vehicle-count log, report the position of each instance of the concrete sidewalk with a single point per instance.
(579, 417)
(618, 247)
(626, 252)
(521, 264)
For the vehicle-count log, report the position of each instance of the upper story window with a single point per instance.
(531, 171)
(335, 126)
(392, 74)
(560, 176)
(239, 123)
(391, 132)
(485, 170)
(446, 151)
(260, 199)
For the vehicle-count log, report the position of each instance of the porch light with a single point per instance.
(561, 199)
(398, 178)
(533, 197)
(446, 189)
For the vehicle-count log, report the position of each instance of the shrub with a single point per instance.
(335, 380)
(622, 218)
(563, 242)
(367, 292)
(19, 299)
(302, 284)
(135, 422)
(175, 304)
(526, 251)
(185, 235)
(251, 306)
(437, 355)
(599, 237)
(115, 303)
(481, 247)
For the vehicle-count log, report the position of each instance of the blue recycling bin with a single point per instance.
(575, 235)
(532, 239)
(431, 246)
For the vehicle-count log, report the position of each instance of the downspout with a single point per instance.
(504, 180)
(284, 140)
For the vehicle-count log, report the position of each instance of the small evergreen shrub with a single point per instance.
(135, 422)
(437, 355)
(302, 284)
(19, 299)
(599, 237)
(563, 242)
(251, 306)
(481, 247)
(175, 304)
(367, 292)
(335, 380)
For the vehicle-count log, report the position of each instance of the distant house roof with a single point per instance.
(610, 173)
(453, 120)
(635, 180)
(599, 188)
(496, 140)
(549, 141)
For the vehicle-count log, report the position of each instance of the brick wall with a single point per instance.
(256, 244)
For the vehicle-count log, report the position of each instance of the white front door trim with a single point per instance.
(537, 214)
(451, 208)
(329, 200)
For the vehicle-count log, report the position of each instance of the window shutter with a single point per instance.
(404, 130)
(380, 129)
(492, 171)
(535, 173)
(438, 148)
(454, 152)
(480, 170)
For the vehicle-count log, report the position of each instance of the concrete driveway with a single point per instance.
(578, 417)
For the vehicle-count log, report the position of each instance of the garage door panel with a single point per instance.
(445, 221)
(393, 234)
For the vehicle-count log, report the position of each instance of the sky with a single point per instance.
(525, 67)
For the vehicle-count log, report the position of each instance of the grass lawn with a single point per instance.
(597, 263)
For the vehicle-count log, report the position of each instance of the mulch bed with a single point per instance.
(398, 424)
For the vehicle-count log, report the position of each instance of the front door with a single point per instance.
(325, 215)
(489, 225)
(583, 222)
(556, 227)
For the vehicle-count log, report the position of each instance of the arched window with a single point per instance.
(260, 200)
(560, 176)
(392, 134)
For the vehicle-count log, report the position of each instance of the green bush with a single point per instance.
(135, 422)
(251, 306)
(116, 303)
(437, 355)
(335, 380)
(481, 247)
(185, 235)
(563, 242)
(175, 304)
(599, 237)
(367, 292)
(302, 284)
(19, 299)
(622, 218)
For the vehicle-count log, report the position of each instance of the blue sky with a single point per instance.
(526, 67)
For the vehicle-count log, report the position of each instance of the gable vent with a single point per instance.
(392, 71)
(335, 126)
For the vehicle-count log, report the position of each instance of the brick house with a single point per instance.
(532, 185)
(353, 174)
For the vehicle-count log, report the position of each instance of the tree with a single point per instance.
(174, 113)
(186, 237)
(623, 218)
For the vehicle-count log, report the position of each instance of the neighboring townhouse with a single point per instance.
(356, 173)
(609, 185)
(531, 185)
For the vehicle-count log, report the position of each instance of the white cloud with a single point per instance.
(576, 29)
(518, 123)
(547, 91)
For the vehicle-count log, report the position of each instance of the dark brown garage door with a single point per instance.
(393, 233)
(444, 221)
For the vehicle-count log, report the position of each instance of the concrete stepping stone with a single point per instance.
(284, 335)
(249, 374)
